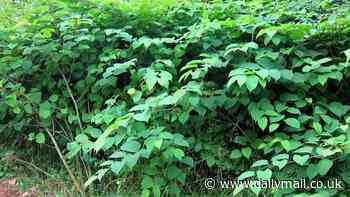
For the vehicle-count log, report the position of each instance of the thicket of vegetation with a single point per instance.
(167, 93)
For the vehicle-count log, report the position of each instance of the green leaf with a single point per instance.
(264, 174)
(346, 175)
(280, 160)
(183, 117)
(292, 122)
(255, 112)
(147, 182)
(286, 145)
(117, 154)
(178, 153)
(117, 166)
(82, 139)
(180, 140)
(31, 136)
(131, 159)
(175, 189)
(273, 127)
(324, 166)
(173, 172)
(151, 78)
(54, 98)
(157, 143)
(238, 189)
(143, 116)
(280, 163)
(40, 138)
(28, 108)
(246, 174)
(93, 132)
(90, 180)
(293, 110)
(301, 160)
(271, 113)
(263, 73)
(164, 79)
(259, 163)
(102, 140)
(210, 161)
(275, 74)
(119, 68)
(131, 146)
(241, 79)
(175, 152)
(45, 110)
(326, 152)
(347, 120)
(255, 188)
(146, 193)
(305, 149)
(311, 171)
(262, 122)
(166, 135)
(347, 54)
(35, 97)
(338, 109)
(74, 148)
(156, 190)
(11, 100)
(235, 154)
(252, 82)
(246, 152)
(317, 126)
(188, 161)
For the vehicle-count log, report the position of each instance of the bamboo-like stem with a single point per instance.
(73, 99)
(59, 152)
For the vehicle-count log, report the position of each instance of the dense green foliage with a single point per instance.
(170, 92)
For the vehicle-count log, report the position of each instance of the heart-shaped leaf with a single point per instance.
(246, 152)
(264, 174)
(301, 160)
(280, 163)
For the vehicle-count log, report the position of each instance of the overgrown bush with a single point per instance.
(171, 92)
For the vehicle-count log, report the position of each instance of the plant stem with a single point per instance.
(59, 152)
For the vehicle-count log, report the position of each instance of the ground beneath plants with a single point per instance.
(9, 188)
